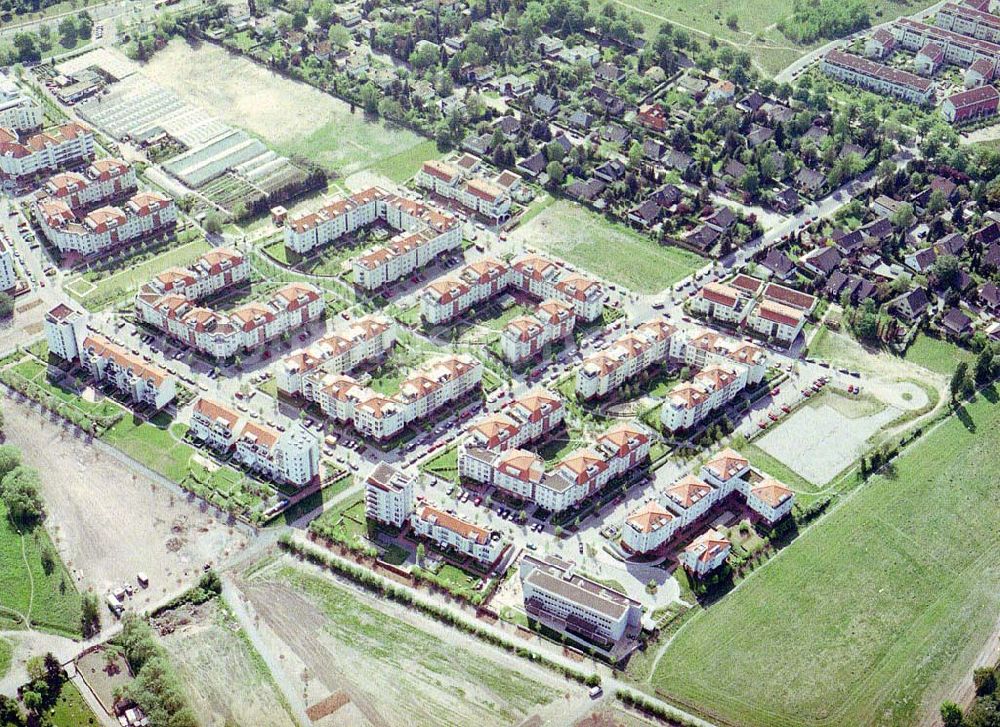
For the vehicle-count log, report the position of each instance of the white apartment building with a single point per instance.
(721, 302)
(770, 499)
(525, 419)
(545, 279)
(365, 339)
(690, 402)
(649, 527)
(776, 320)
(144, 383)
(969, 21)
(448, 531)
(144, 215)
(47, 151)
(65, 328)
(578, 607)
(457, 183)
(291, 456)
(651, 343)
(705, 553)
(8, 278)
(439, 177)
(705, 347)
(104, 180)
(959, 49)
(333, 221)
(211, 273)
(440, 381)
(18, 112)
(215, 424)
(525, 337)
(690, 498)
(389, 495)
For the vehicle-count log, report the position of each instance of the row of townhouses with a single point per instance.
(144, 215)
(772, 310)
(460, 184)
(18, 112)
(687, 500)
(967, 20)
(877, 77)
(424, 232)
(291, 455)
(957, 49)
(389, 500)
(366, 339)
(448, 297)
(21, 160)
(579, 475)
(437, 383)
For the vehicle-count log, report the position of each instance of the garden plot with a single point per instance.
(819, 440)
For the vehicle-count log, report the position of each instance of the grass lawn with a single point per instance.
(936, 355)
(457, 580)
(400, 167)
(6, 654)
(48, 600)
(35, 372)
(112, 287)
(885, 600)
(70, 709)
(444, 464)
(607, 249)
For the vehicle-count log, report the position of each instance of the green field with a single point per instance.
(111, 287)
(6, 654)
(400, 167)
(70, 709)
(31, 377)
(606, 249)
(936, 355)
(889, 597)
(49, 601)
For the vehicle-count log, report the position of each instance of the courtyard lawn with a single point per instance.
(606, 249)
(887, 599)
(444, 464)
(110, 287)
(49, 601)
(936, 355)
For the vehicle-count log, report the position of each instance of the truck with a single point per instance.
(115, 605)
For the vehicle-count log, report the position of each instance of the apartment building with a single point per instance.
(363, 340)
(18, 111)
(711, 388)
(448, 297)
(649, 527)
(966, 20)
(244, 328)
(105, 180)
(578, 607)
(290, 456)
(689, 498)
(457, 182)
(450, 532)
(776, 321)
(143, 383)
(705, 347)
(144, 215)
(213, 272)
(8, 278)
(334, 220)
(705, 553)
(389, 495)
(525, 337)
(877, 77)
(770, 499)
(65, 328)
(972, 104)
(654, 342)
(960, 50)
(47, 151)
(721, 302)
(437, 383)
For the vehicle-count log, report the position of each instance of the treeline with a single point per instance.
(814, 20)
(39, 695)
(985, 709)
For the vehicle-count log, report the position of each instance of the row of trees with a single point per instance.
(985, 709)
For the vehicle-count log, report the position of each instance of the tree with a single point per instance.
(67, 30)
(6, 305)
(903, 217)
(951, 715)
(946, 269)
(19, 490)
(26, 45)
(339, 36)
(985, 680)
(984, 366)
(213, 223)
(556, 173)
(322, 11)
(90, 615)
(958, 379)
(421, 552)
(10, 457)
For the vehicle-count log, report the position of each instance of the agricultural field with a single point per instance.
(222, 675)
(606, 249)
(248, 95)
(386, 665)
(872, 612)
(35, 586)
(96, 291)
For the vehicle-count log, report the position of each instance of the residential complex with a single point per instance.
(448, 531)
(705, 553)
(104, 180)
(360, 341)
(446, 298)
(582, 609)
(424, 232)
(389, 495)
(652, 343)
(8, 278)
(525, 337)
(528, 418)
(289, 456)
(23, 160)
(877, 77)
(458, 182)
(971, 104)
(712, 387)
(772, 311)
(65, 328)
(144, 383)
(18, 112)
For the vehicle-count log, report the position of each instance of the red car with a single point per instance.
(772, 416)
(775, 391)
(762, 424)
(785, 408)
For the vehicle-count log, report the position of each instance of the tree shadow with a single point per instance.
(963, 416)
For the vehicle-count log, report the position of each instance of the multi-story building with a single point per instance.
(49, 151)
(363, 340)
(440, 381)
(690, 498)
(291, 456)
(144, 215)
(527, 336)
(652, 343)
(649, 527)
(960, 50)
(65, 328)
(711, 388)
(105, 180)
(581, 609)
(389, 495)
(776, 320)
(439, 177)
(215, 424)
(960, 18)
(877, 77)
(215, 271)
(144, 383)
(721, 302)
(770, 499)
(8, 278)
(18, 112)
(972, 104)
(705, 553)
(705, 347)
(455, 182)
(450, 532)
(448, 297)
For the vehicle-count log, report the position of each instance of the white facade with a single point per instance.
(8, 278)
(649, 527)
(448, 531)
(776, 320)
(706, 553)
(64, 330)
(389, 495)
(146, 214)
(18, 111)
(44, 152)
(527, 336)
(712, 387)
(144, 383)
(291, 456)
(652, 343)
